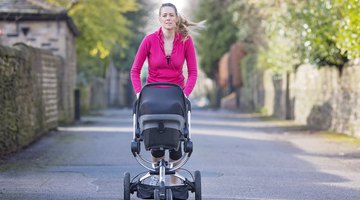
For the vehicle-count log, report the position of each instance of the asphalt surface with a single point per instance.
(239, 156)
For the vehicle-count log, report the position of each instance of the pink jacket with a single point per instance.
(163, 68)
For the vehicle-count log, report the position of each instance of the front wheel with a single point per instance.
(197, 185)
(169, 195)
(127, 186)
(156, 194)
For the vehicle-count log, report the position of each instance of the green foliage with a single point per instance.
(323, 32)
(317, 24)
(280, 50)
(219, 34)
(349, 28)
(124, 57)
(248, 20)
(284, 33)
(103, 25)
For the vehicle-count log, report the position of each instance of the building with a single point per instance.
(41, 25)
(38, 24)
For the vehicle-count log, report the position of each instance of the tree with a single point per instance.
(349, 31)
(317, 25)
(219, 34)
(103, 25)
(123, 57)
(271, 40)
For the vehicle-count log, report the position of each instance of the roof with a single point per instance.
(34, 10)
(28, 6)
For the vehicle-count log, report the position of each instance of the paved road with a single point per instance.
(239, 156)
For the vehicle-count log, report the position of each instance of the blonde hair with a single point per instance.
(183, 23)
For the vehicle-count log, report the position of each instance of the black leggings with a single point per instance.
(173, 154)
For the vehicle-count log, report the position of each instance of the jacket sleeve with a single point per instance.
(138, 63)
(191, 63)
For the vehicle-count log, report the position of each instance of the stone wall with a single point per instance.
(56, 37)
(321, 98)
(28, 95)
(326, 99)
(346, 116)
(113, 91)
(117, 87)
(93, 95)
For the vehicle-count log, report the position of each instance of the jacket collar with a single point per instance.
(160, 36)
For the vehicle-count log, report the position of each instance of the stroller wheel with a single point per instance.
(156, 194)
(127, 186)
(197, 185)
(169, 195)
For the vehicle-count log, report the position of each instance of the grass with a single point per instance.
(340, 137)
(282, 123)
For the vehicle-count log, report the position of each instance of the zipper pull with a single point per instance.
(168, 59)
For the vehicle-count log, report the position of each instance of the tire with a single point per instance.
(156, 194)
(169, 195)
(197, 185)
(127, 186)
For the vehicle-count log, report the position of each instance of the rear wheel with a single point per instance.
(156, 194)
(127, 186)
(197, 185)
(169, 195)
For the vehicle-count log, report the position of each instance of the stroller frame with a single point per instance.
(162, 167)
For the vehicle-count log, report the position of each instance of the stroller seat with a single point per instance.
(162, 116)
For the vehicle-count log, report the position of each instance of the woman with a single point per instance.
(166, 51)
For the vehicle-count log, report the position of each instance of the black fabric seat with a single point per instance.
(162, 100)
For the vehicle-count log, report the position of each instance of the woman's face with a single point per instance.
(168, 18)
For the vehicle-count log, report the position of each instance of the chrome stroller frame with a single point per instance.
(160, 124)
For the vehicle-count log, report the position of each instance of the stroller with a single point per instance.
(162, 122)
